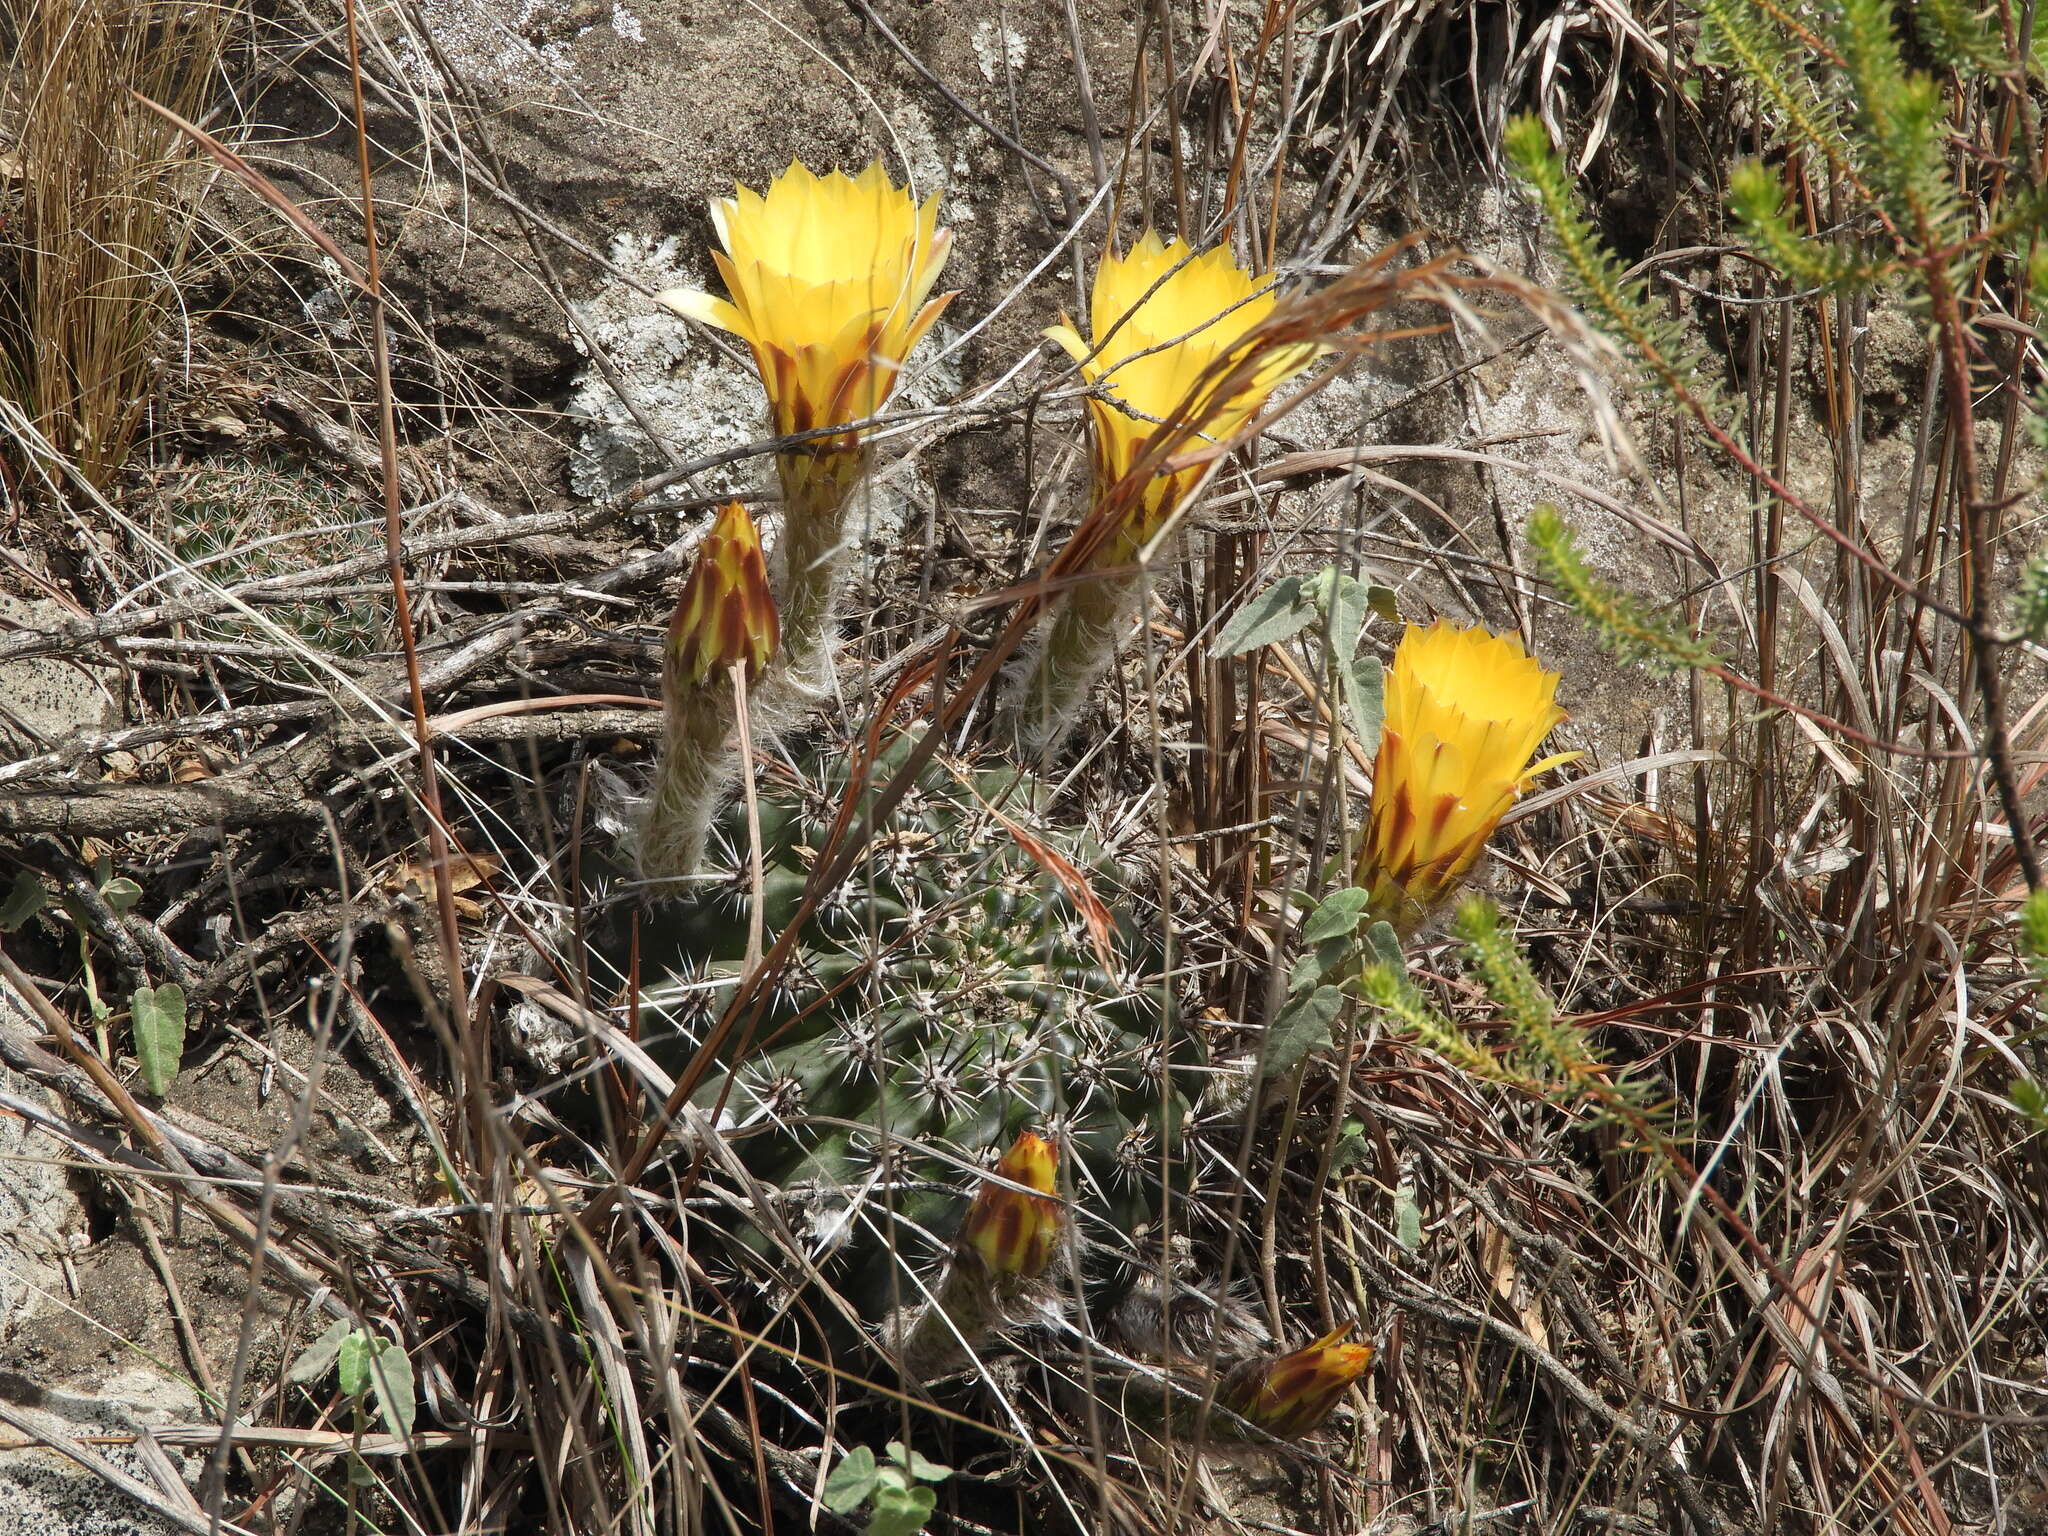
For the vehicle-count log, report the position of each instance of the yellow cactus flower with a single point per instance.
(1011, 1231)
(1160, 317)
(727, 614)
(831, 283)
(1290, 1395)
(1465, 711)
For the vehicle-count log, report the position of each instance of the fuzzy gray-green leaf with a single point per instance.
(319, 1356)
(370, 1364)
(1277, 613)
(1303, 1026)
(1385, 944)
(1337, 917)
(850, 1483)
(1365, 694)
(121, 893)
(920, 1467)
(157, 1015)
(1407, 1218)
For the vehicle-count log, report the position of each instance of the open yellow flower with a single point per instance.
(727, 614)
(1465, 711)
(1160, 317)
(1289, 1395)
(1011, 1231)
(831, 283)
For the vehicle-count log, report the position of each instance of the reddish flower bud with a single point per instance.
(1289, 1395)
(727, 614)
(1013, 1232)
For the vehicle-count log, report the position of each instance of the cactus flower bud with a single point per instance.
(727, 613)
(1013, 1232)
(1290, 1395)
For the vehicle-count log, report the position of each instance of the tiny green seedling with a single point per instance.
(896, 1488)
(366, 1365)
(120, 894)
(156, 1014)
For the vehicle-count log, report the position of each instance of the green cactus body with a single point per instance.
(946, 998)
(260, 521)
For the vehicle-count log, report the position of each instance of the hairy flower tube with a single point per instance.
(726, 619)
(830, 282)
(1014, 1232)
(1166, 327)
(1290, 1395)
(1465, 712)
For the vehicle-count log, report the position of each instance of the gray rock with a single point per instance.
(42, 1217)
(43, 699)
(43, 1493)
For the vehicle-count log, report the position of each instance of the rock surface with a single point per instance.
(42, 700)
(42, 1218)
(44, 1493)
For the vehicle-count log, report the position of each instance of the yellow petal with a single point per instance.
(1070, 340)
(695, 304)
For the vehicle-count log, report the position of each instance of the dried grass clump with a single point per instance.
(98, 210)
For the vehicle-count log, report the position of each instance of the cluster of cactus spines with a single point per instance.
(947, 996)
(725, 624)
(949, 1000)
(236, 527)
